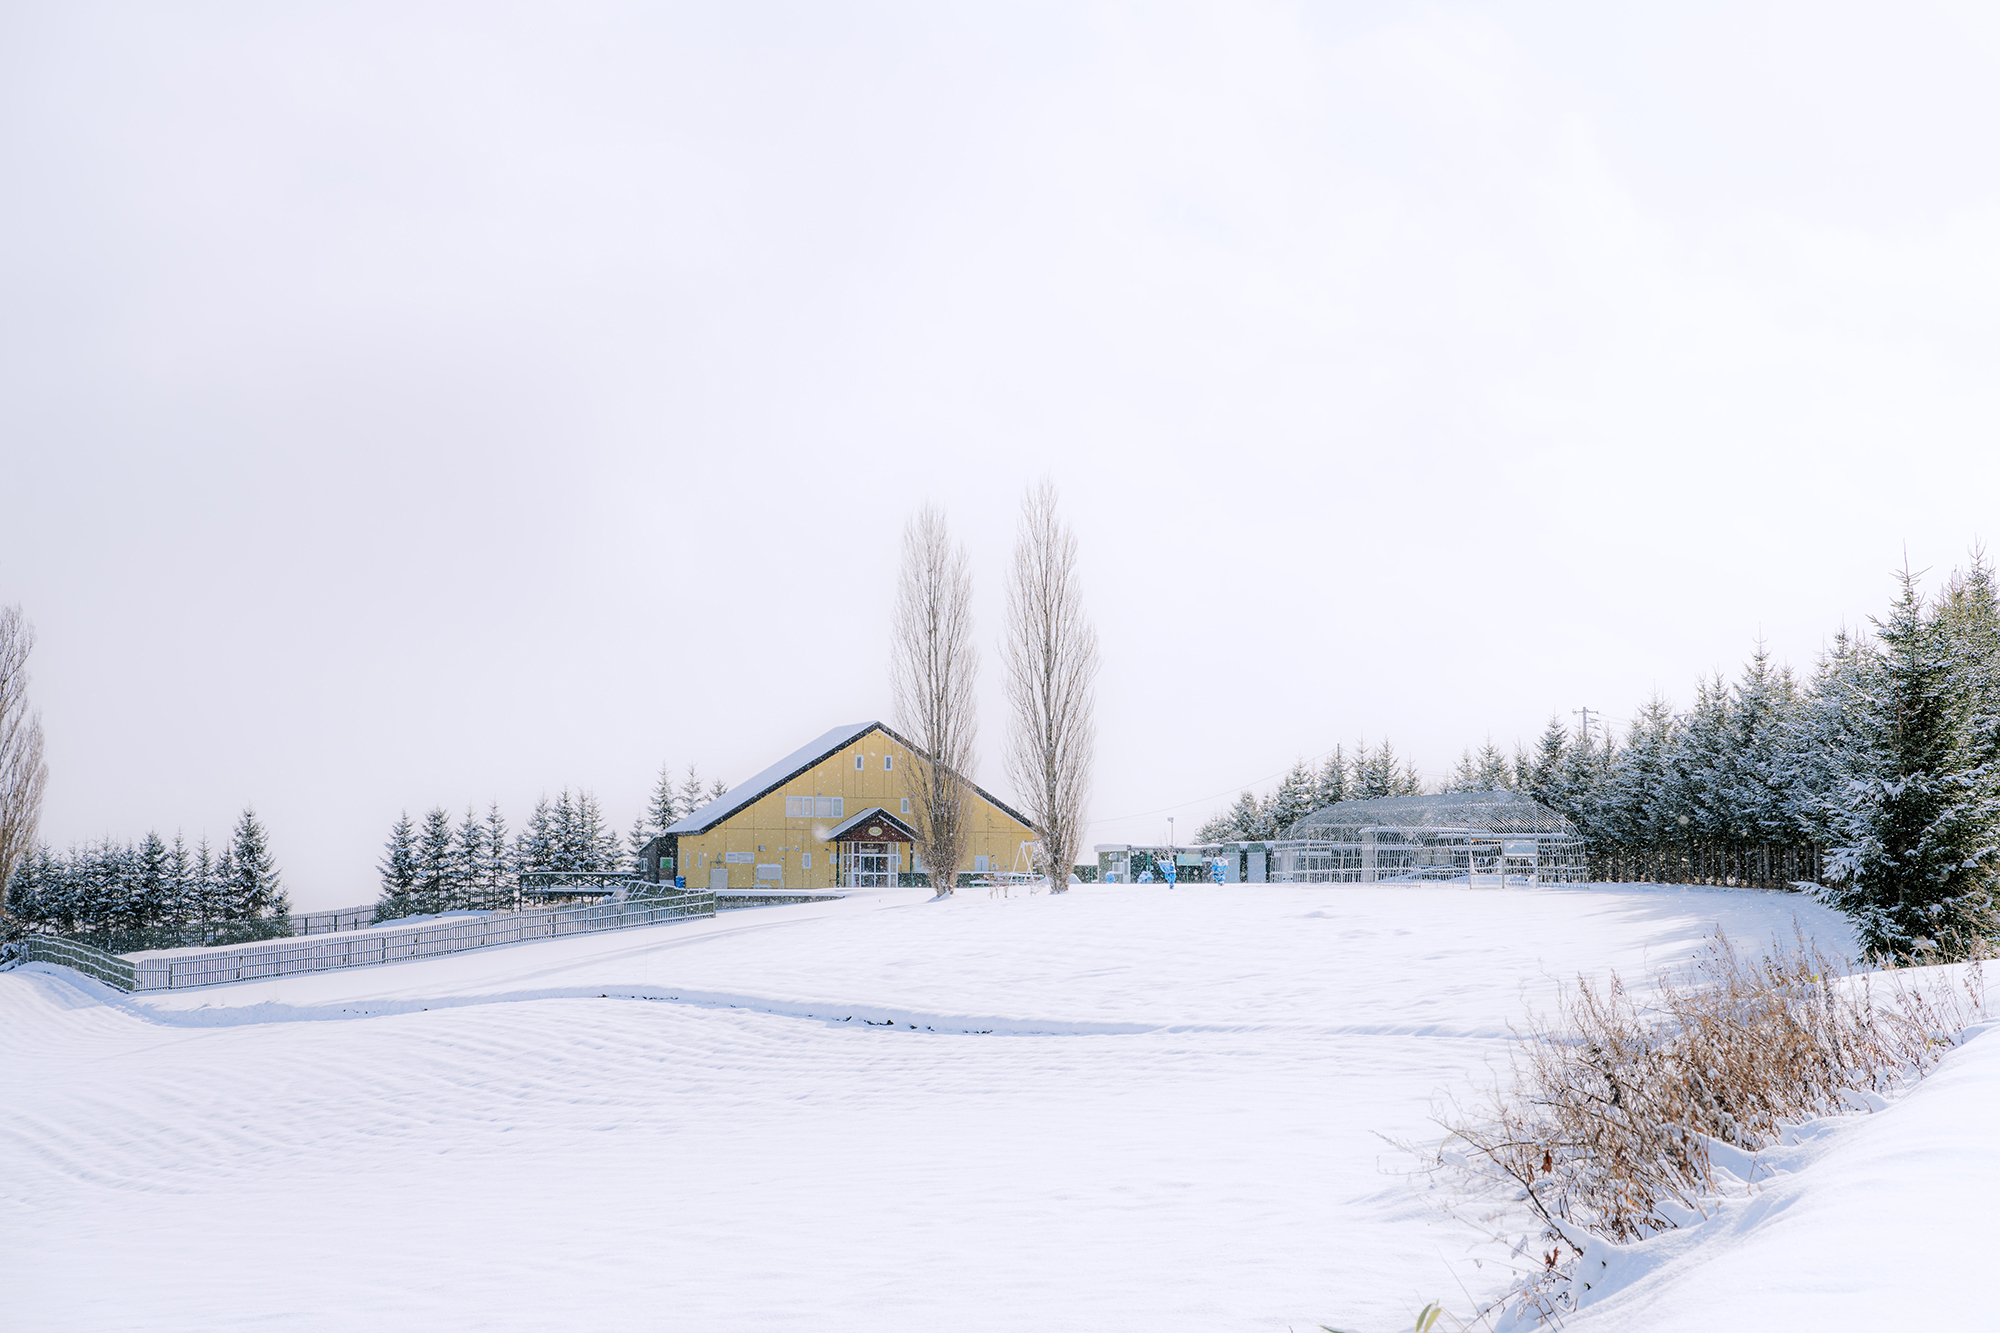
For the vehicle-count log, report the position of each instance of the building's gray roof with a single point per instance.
(793, 764)
(1494, 811)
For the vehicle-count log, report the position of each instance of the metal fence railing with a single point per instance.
(324, 952)
(327, 923)
(605, 881)
(108, 968)
(282, 958)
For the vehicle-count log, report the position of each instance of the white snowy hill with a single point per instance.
(1126, 1108)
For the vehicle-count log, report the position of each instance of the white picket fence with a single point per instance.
(321, 953)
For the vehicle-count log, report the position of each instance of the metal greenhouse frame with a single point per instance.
(1483, 838)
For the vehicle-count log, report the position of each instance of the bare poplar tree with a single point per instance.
(23, 775)
(1051, 660)
(932, 672)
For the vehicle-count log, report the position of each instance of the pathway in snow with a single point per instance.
(1123, 1108)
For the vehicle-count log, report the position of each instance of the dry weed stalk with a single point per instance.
(1623, 1117)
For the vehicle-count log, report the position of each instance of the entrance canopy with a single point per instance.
(874, 824)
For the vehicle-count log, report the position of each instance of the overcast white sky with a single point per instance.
(408, 404)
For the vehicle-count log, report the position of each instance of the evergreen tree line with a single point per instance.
(1874, 782)
(475, 865)
(153, 894)
(1369, 775)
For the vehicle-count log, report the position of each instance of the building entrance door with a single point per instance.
(868, 866)
(718, 879)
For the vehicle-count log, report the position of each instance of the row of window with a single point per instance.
(888, 763)
(980, 864)
(822, 807)
(815, 807)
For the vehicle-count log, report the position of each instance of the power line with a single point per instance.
(1238, 787)
(1241, 786)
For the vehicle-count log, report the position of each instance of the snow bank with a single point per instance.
(1121, 1107)
(1867, 1221)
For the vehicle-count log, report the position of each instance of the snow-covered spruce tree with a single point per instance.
(1245, 821)
(258, 907)
(468, 856)
(1493, 772)
(1633, 814)
(535, 846)
(183, 895)
(636, 839)
(434, 862)
(1217, 829)
(1582, 776)
(1333, 787)
(31, 893)
(1545, 764)
(1296, 797)
(1463, 777)
(399, 872)
(202, 893)
(606, 852)
(149, 902)
(1251, 819)
(1379, 773)
(1700, 768)
(119, 875)
(92, 882)
(1920, 842)
(496, 863)
(1362, 785)
(65, 893)
(73, 898)
(1832, 742)
(663, 810)
(658, 816)
(24, 901)
(566, 845)
(1761, 776)
(692, 795)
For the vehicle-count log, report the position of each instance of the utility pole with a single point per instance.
(1586, 724)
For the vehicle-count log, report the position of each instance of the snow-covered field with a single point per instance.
(1125, 1108)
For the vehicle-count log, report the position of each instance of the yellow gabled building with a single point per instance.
(833, 814)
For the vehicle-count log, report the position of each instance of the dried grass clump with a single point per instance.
(1624, 1116)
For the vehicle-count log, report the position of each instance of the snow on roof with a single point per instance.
(793, 764)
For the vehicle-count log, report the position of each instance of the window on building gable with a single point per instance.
(857, 763)
(906, 805)
(888, 763)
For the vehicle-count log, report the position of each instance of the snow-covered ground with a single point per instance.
(1124, 1108)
